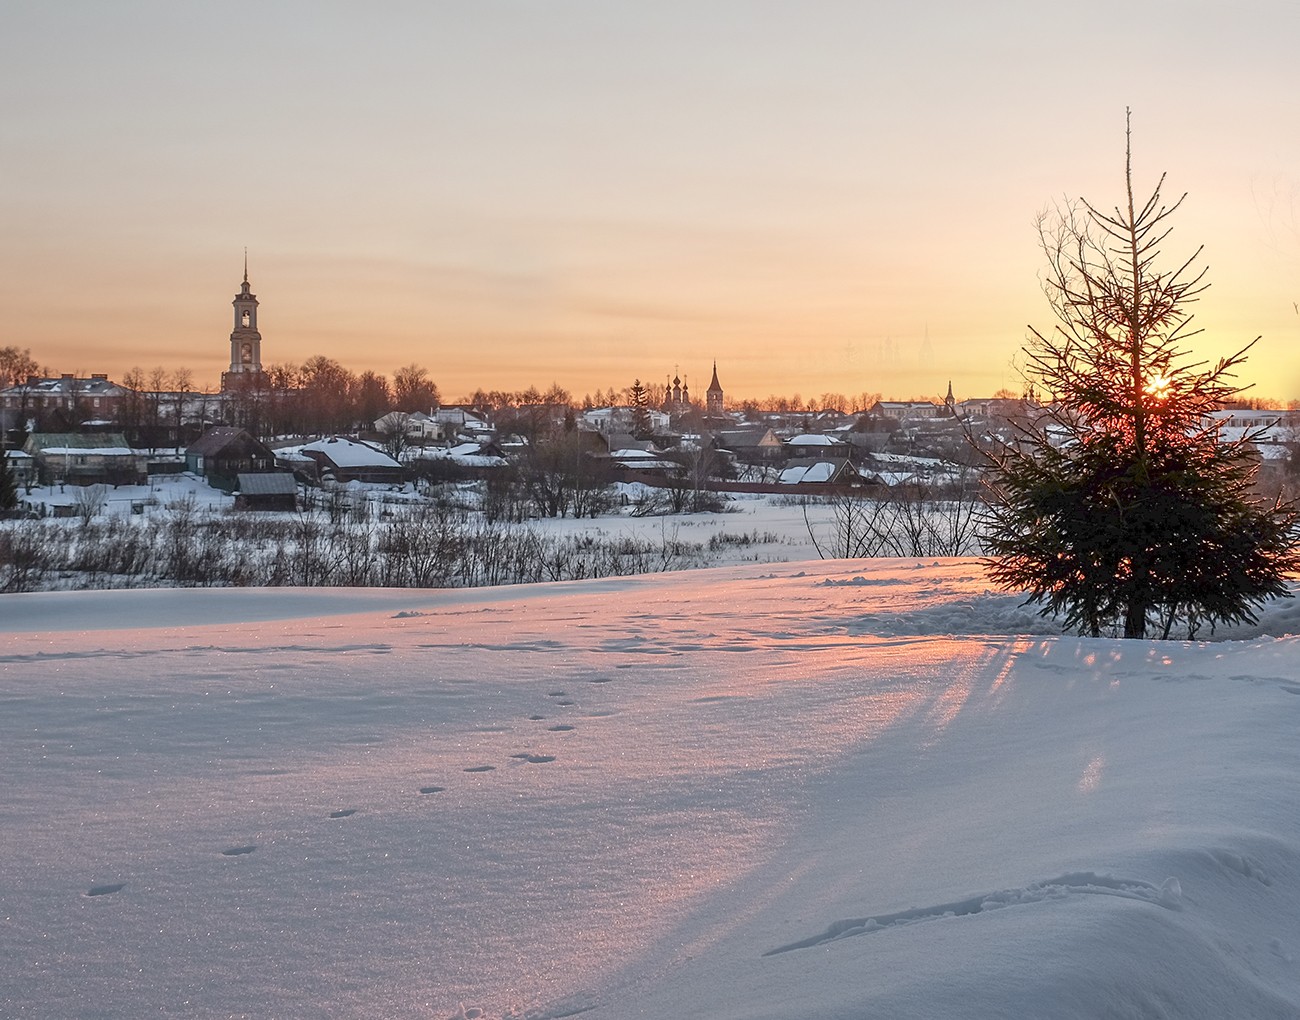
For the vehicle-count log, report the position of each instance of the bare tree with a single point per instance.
(393, 427)
(413, 390)
(17, 368)
(373, 396)
(182, 382)
(131, 408)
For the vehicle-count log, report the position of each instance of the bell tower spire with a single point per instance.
(245, 340)
(713, 395)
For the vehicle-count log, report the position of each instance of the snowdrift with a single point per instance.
(837, 789)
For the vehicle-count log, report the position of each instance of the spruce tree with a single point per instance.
(1119, 508)
(8, 483)
(640, 410)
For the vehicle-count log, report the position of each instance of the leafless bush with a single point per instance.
(89, 501)
(425, 545)
(22, 563)
(917, 518)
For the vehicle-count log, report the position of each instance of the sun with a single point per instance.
(1157, 387)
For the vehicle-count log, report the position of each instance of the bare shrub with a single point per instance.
(924, 517)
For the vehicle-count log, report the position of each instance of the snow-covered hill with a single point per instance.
(830, 789)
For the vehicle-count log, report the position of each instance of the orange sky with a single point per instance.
(822, 197)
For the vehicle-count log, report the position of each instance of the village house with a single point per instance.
(812, 444)
(223, 453)
(751, 445)
(418, 427)
(76, 399)
(266, 490)
(22, 464)
(819, 471)
(347, 460)
(75, 458)
(459, 420)
(904, 410)
(615, 420)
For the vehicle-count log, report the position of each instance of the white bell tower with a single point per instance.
(245, 341)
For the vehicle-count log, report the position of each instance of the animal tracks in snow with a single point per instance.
(557, 697)
(1167, 895)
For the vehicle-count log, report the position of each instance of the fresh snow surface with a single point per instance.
(833, 789)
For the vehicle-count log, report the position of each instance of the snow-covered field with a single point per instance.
(821, 789)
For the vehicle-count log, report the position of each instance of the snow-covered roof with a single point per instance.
(465, 454)
(822, 471)
(639, 462)
(95, 386)
(900, 458)
(96, 451)
(1259, 433)
(811, 439)
(349, 453)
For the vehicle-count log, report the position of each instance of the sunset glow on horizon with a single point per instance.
(821, 197)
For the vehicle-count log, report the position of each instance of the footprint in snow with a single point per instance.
(561, 728)
(481, 768)
(238, 851)
(346, 812)
(534, 759)
(105, 890)
(432, 789)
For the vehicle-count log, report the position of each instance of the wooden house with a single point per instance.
(223, 453)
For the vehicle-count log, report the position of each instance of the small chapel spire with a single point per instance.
(245, 264)
(713, 396)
